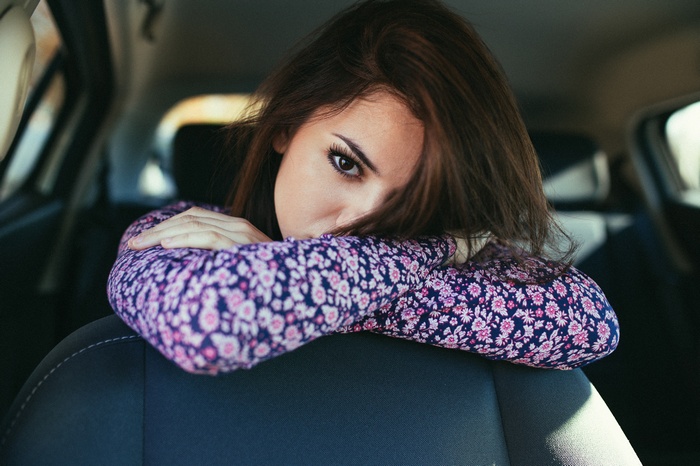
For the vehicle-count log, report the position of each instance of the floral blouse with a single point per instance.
(218, 311)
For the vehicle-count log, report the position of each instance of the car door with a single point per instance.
(666, 154)
(40, 179)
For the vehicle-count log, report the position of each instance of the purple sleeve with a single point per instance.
(505, 310)
(217, 311)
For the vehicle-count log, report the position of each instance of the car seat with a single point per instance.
(104, 396)
(201, 167)
(577, 183)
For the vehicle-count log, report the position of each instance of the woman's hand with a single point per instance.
(463, 252)
(199, 228)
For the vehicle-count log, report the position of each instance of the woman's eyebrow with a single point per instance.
(358, 152)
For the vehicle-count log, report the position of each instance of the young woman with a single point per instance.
(389, 185)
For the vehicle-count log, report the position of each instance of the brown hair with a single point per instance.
(478, 171)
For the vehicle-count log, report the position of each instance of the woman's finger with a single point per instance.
(154, 237)
(197, 214)
(213, 238)
(199, 229)
(202, 236)
(199, 239)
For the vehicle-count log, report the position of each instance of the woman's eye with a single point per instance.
(345, 165)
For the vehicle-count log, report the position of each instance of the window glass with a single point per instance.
(35, 134)
(155, 179)
(683, 136)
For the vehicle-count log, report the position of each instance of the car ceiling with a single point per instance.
(585, 65)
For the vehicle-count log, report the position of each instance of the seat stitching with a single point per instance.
(500, 411)
(50, 372)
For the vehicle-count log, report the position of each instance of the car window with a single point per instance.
(49, 96)
(683, 136)
(155, 179)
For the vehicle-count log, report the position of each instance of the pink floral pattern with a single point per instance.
(217, 311)
(489, 307)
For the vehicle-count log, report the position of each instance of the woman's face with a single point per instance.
(336, 169)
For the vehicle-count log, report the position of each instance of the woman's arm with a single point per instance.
(496, 309)
(215, 311)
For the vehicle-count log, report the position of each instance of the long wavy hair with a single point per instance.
(478, 172)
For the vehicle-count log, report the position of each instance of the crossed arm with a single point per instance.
(214, 311)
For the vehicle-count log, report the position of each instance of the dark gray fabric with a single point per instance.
(203, 162)
(558, 417)
(105, 397)
(346, 399)
(574, 170)
(83, 404)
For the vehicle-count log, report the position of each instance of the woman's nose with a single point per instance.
(358, 206)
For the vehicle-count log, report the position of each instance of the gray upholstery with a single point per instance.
(577, 183)
(574, 169)
(198, 163)
(104, 396)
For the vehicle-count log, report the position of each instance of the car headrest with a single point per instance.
(17, 57)
(574, 169)
(201, 168)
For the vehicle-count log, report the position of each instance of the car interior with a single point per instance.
(93, 134)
